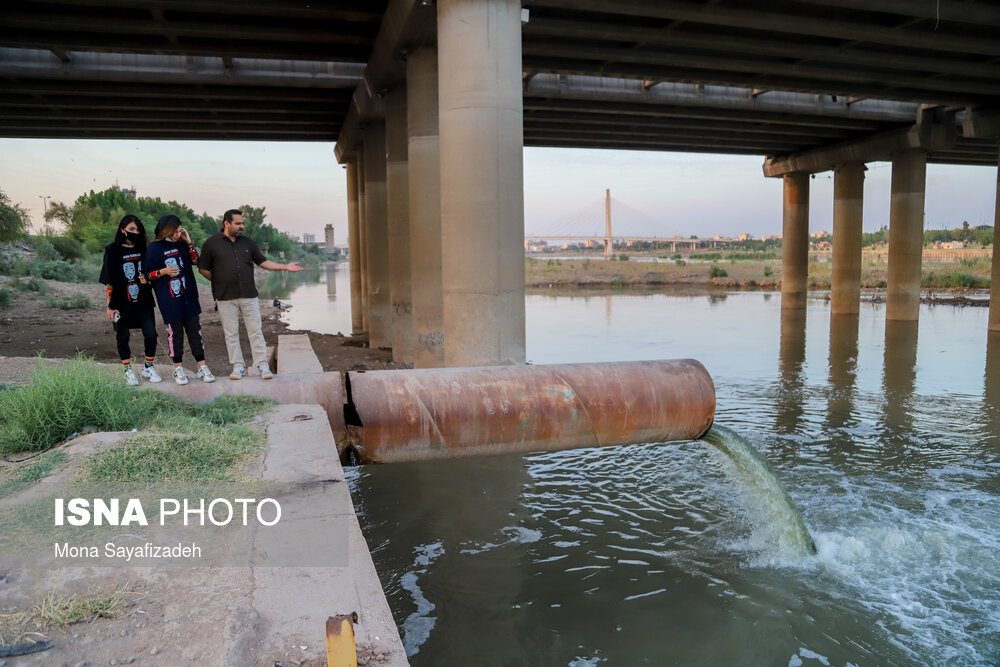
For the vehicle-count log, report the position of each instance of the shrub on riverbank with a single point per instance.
(72, 302)
(954, 280)
(6, 297)
(33, 285)
(717, 271)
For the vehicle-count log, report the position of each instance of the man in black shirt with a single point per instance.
(228, 259)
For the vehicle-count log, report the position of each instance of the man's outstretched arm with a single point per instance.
(275, 266)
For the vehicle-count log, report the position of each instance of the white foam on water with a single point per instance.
(418, 625)
(514, 534)
(927, 569)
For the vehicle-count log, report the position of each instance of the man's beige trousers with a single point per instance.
(230, 312)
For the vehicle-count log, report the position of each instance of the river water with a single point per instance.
(887, 438)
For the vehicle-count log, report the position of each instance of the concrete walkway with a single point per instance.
(293, 603)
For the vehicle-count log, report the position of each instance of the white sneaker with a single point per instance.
(205, 374)
(130, 378)
(180, 377)
(264, 370)
(239, 370)
(150, 374)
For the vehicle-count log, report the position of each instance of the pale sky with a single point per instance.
(303, 187)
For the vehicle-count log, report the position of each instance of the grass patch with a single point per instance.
(716, 271)
(953, 280)
(185, 442)
(66, 398)
(59, 611)
(62, 610)
(6, 297)
(28, 475)
(72, 302)
(753, 256)
(713, 256)
(199, 453)
(75, 395)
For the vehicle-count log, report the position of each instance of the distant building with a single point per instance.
(744, 237)
(328, 243)
(308, 238)
(128, 191)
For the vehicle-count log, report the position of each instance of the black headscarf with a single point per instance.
(120, 236)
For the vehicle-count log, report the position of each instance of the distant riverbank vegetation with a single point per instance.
(71, 244)
(725, 271)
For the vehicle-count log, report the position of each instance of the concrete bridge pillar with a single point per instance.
(482, 172)
(906, 235)
(995, 274)
(848, 203)
(397, 187)
(363, 237)
(425, 207)
(354, 247)
(795, 241)
(377, 239)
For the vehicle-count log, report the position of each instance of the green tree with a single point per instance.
(983, 234)
(14, 220)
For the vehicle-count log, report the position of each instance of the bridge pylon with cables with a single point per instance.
(584, 225)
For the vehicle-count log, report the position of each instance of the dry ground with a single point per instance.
(29, 326)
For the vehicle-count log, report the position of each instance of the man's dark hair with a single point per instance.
(228, 215)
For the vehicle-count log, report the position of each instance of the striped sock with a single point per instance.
(126, 363)
(149, 362)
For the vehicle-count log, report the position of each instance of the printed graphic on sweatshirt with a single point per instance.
(131, 269)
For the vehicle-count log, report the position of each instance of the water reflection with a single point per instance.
(898, 382)
(991, 395)
(460, 518)
(331, 279)
(843, 362)
(791, 357)
(280, 284)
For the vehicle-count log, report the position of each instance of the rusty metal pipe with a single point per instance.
(447, 412)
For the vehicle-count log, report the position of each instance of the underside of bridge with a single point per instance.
(810, 85)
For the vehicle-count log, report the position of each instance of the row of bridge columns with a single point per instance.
(906, 227)
(436, 199)
(436, 206)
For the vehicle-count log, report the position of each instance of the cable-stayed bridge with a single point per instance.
(611, 218)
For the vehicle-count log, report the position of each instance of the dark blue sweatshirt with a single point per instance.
(177, 296)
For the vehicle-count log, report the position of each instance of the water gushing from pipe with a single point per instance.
(770, 497)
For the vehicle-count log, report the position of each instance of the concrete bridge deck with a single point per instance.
(431, 104)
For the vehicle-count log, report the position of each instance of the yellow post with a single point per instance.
(340, 648)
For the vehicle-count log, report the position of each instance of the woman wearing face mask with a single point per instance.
(129, 296)
(169, 262)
